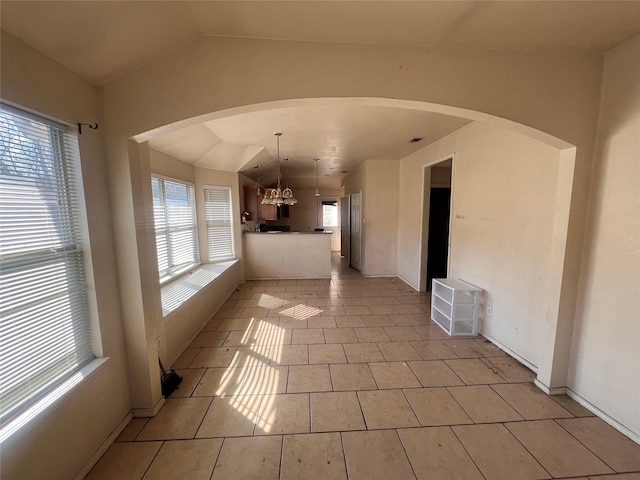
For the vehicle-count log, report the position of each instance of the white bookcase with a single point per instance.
(455, 305)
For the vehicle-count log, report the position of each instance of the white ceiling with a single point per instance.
(101, 40)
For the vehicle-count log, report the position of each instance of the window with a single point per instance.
(217, 204)
(45, 334)
(330, 213)
(175, 222)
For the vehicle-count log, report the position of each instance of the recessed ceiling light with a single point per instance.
(344, 171)
(416, 139)
(256, 166)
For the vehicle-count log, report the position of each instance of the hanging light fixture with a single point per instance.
(317, 191)
(277, 196)
(287, 194)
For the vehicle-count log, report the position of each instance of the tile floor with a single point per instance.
(348, 378)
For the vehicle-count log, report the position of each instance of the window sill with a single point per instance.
(28, 418)
(177, 292)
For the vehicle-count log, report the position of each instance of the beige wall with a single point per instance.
(556, 93)
(503, 211)
(605, 355)
(58, 445)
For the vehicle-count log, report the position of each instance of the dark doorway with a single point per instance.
(438, 243)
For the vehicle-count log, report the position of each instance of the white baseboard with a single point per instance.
(606, 418)
(86, 468)
(149, 412)
(550, 391)
(417, 289)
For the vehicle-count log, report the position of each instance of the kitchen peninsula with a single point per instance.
(269, 255)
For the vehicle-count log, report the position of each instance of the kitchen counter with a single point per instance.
(269, 255)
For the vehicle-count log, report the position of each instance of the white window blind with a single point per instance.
(217, 204)
(45, 334)
(175, 224)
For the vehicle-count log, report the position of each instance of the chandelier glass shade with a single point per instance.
(278, 196)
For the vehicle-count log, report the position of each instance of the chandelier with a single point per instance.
(278, 196)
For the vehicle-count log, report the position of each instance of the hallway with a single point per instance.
(349, 378)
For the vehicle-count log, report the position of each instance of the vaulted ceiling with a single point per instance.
(102, 40)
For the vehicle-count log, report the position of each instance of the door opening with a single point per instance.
(355, 229)
(438, 190)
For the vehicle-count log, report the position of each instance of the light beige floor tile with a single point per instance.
(618, 451)
(309, 378)
(186, 357)
(407, 308)
(230, 417)
(393, 375)
(228, 313)
(510, 369)
(339, 335)
(316, 456)
(619, 476)
(356, 376)
(190, 379)
(489, 348)
(336, 411)
(398, 351)
(402, 334)
(406, 320)
(349, 321)
(243, 381)
(279, 414)
(192, 459)
(362, 352)
(433, 350)
(484, 405)
(375, 455)
(329, 353)
(371, 334)
(386, 409)
(465, 348)
(272, 335)
(571, 406)
(431, 332)
(209, 339)
(357, 310)
(474, 371)
(436, 453)
(249, 458)
(322, 322)
(378, 320)
(178, 418)
(558, 452)
(293, 318)
(434, 373)
(383, 309)
(333, 310)
(132, 430)
(530, 402)
(291, 355)
(126, 461)
(213, 357)
(234, 323)
(435, 406)
(498, 454)
(307, 336)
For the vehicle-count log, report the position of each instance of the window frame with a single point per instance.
(229, 223)
(65, 247)
(174, 271)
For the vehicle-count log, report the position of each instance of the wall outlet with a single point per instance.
(489, 310)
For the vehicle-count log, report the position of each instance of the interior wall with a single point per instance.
(303, 217)
(503, 211)
(58, 443)
(605, 354)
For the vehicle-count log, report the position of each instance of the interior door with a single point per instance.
(355, 229)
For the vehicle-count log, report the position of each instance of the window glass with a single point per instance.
(330, 213)
(217, 203)
(175, 224)
(45, 334)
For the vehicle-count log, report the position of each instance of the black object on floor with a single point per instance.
(169, 380)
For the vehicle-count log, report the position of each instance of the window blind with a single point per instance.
(175, 224)
(217, 204)
(45, 334)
